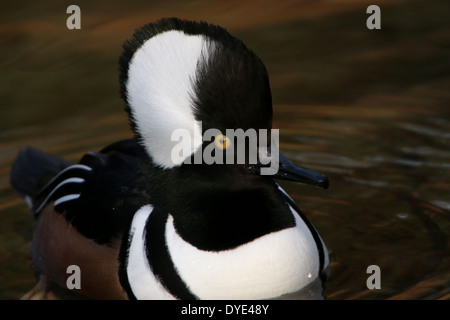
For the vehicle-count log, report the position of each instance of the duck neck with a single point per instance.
(218, 207)
(217, 219)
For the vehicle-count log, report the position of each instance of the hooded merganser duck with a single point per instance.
(140, 223)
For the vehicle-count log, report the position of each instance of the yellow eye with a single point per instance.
(222, 142)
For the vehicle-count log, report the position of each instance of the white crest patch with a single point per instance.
(160, 91)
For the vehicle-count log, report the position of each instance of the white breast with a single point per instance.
(140, 277)
(267, 267)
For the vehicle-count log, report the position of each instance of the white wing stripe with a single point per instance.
(75, 166)
(70, 180)
(66, 198)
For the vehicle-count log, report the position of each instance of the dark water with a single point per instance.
(370, 109)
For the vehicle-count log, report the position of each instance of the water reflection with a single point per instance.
(313, 291)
